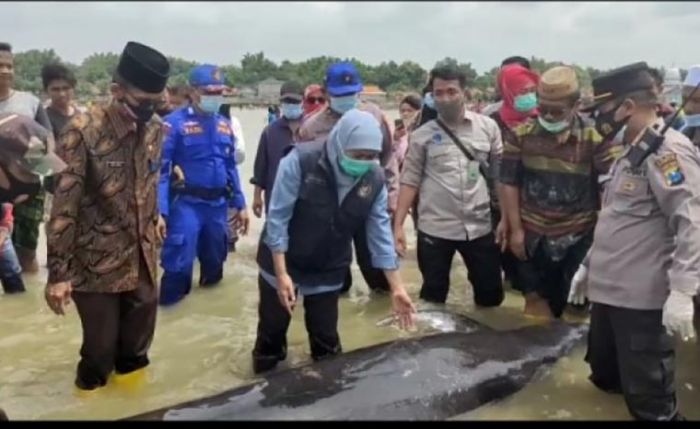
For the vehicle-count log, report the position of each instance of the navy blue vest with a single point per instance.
(321, 231)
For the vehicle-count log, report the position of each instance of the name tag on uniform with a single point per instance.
(473, 171)
(115, 164)
(192, 129)
(223, 128)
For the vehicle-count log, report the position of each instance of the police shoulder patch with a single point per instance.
(670, 168)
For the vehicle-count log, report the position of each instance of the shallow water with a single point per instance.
(202, 346)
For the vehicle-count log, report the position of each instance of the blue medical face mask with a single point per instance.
(343, 104)
(291, 111)
(692, 121)
(526, 102)
(211, 103)
(428, 100)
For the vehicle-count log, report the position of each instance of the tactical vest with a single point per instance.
(320, 230)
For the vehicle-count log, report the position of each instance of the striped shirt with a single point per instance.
(558, 182)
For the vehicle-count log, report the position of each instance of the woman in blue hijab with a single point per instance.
(324, 193)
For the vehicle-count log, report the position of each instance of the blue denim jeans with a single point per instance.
(10, 270)
(9, 264)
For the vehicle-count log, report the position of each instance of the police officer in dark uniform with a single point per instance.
(643, 268)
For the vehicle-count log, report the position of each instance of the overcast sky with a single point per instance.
(599, 34)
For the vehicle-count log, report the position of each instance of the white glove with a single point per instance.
(579, 287)
(678, 315)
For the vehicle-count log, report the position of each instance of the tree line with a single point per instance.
(94, 74)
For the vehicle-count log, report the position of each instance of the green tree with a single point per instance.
(28, 67)
(255, 67)
(180, 70)
(97, 70)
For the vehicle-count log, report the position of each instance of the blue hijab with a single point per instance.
(356, 130)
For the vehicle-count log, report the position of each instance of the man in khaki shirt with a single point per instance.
(454, 212)
(643, 268)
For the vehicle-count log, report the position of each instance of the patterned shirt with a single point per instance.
(558, 182)
(105, 210)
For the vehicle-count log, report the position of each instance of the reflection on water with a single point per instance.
(203, 345)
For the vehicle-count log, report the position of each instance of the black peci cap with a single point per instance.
(144, 67)
(620, 81)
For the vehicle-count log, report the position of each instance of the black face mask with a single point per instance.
(607, 126)
(17, 188)
(143, 111)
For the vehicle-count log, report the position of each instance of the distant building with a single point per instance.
(269, 90)
(673, 87)
(247, 92)
(373, 93)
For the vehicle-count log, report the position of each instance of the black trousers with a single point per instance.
(630, 352)
(508, 259)
(481, 256)
(549, 278)
(375, 278)
(320, 316)
(118, 330)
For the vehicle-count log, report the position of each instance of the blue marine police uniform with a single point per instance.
(203, 146)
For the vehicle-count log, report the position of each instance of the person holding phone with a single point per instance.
(408, 110)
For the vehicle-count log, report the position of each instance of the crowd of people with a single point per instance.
(588, 206)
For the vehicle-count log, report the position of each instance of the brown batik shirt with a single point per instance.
(105, 210)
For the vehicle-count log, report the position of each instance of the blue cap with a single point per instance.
(343, 79)
(208, 76)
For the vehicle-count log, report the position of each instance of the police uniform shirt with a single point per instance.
(647, 239)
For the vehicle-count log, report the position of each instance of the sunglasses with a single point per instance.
(315, 100)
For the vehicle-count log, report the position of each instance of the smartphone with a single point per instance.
(398, 124)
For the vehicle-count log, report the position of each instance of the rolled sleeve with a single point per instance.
(680, 202)
(284, 196)
(380, 240)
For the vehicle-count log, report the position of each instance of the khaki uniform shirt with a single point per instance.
(454, 199)
(647, 239)
(104, 214)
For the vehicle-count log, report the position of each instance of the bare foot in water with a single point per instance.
(537, 307)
